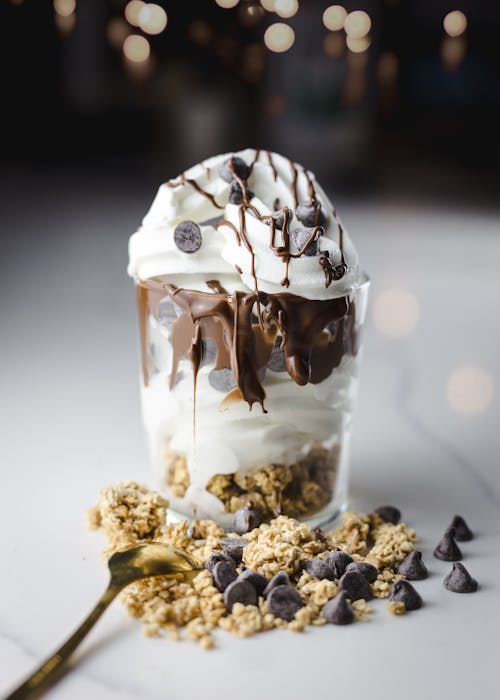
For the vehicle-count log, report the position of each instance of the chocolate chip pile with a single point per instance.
(279, 574)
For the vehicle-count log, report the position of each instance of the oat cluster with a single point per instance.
(129, 513)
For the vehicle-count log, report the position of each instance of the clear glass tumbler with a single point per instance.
(214, 452)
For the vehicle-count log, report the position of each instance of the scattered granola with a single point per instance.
(396, 608)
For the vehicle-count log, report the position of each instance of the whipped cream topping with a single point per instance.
(236, 239)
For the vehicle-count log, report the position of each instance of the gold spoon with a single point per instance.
(142, 561)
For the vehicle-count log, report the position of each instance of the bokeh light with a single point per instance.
(358, 45)
(357, 24)
(227, 4)
(455, 23)
(396, 312)
(250, 15)
(136, 48)
(268, 5)
(132, 10)
(152, 19)
(469, 390)
(65, 23)
(453, 51)
(64, 8)
(387, 67)
(334, 17)
(116, 32)
(333, 45)
(286, 8)
(279, 37)
(200, 32)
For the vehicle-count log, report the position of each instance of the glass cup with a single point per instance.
(210, 451)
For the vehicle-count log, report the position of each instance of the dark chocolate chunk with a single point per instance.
(239, 166)
(246, 519)
(355, 586)
(403, 592)
(319, 568)
(284, 602)
(223, 574)
(236, 193)
(240, 592)
(233, 546)
(277, 360)
(222, 380)
(187, 236)
(390, 514)
(300, 236)
(279, 579)
(215, 558)
(258, 581)
(459, 580)
(307, 214)
(338, 611)
(367, 570)
(447, 549)
(338, 562)
(462, 530)
(413, 567)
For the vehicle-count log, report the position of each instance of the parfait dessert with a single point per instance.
(251, 301)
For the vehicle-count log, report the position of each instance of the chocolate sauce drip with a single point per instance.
(271, 165)
(183, 180)
(255, 159)
(216, 286)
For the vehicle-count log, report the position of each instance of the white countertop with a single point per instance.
(71, 425)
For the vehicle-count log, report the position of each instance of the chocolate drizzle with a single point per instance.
(183, 180)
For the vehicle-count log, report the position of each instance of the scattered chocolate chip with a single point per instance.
(447, 549)
(222, 380)
(246, 519)
(459, 580)
(284, 602)
(413, 567)
(338, 611)
(187, 236)
(277, 360)
(279, 579)
(355, 586)
(223, 574)
(233, 547)
(367, 570)
(403, 592)
(319, 568)
(389, 514)
(300, 236)
(236, 193)
(338, 562)
(279, 219)
(239, 166)
(240, 592)
(306, 214)
(215, 558)
(258, 581)
(462, 530)
(339, 271)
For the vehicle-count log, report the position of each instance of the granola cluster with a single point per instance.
(128, 513)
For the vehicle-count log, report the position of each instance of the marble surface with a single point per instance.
(70, 424)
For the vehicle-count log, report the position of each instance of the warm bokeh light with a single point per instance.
(132, 11)
(286, 8)
(250, 15)
(65, 23)
(64, 8)
(469, 390)
(396, 312)
(279, 37)
(387, 67)
(333, 45)
(268, 5)
(453, 51)
(334, 17)
(117, 31)
(136, 48)
(152, 19)
(227, 4)
(455, 23)
(200, 32)
(358, 45)
(357, 24)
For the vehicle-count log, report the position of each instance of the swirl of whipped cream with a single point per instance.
(236, 239)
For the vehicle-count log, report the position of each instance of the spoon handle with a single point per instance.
(44, 676)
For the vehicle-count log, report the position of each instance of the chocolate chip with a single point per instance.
(367, 570)
(236, 193)
(246, 519)
(187, 236)
(413, 567)
(355, 586)
(240, 592)
(319, 568)
(284, 602)
(462, 530)
(389, 514)
(337, 611)
(279, 219)
(258, 581)
(233, 546)
(239, 166)
(222, 380)
(277, 360)
(300, 236)
(306, 214)
(459, 580)
(338, 562)
(447, 549)
(403, 592)
(279, 579)
(223, 574)
(215, 558)
(339, 271)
